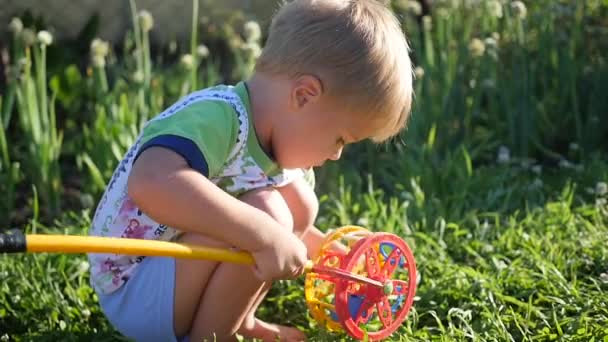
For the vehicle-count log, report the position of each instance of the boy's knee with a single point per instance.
(271, 202)
(199, 239)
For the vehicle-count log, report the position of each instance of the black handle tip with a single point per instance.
(12, 241)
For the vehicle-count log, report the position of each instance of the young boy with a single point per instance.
(231, 167)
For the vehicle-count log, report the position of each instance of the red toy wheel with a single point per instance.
(377, 312)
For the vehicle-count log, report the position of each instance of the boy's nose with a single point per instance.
(336, 155)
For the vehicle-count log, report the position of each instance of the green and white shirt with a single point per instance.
(213, 130)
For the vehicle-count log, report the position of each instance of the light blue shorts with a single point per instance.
(142, 309)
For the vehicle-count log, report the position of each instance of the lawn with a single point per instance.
(499, 184)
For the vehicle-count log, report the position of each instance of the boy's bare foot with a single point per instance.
(269, 332)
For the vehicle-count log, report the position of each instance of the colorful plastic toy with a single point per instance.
(362, 308)
(361, 282)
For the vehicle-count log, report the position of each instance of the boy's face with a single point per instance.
(316, 132)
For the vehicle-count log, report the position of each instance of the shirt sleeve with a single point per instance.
(203, 133)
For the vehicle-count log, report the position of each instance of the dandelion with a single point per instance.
(252, 49)
(98, 61)
(187, 61)
(202, 51)
(253, 33)
(495, 8)
(601, 188)
(15, 26)
(410, 6)
(442, 13)
(419, 72)
(519, 9)
(146, 20)
(477, 47)
(28, 36)
(45, 38)
(99, 47)
(138, 77)
(427, 23)
(504, 155)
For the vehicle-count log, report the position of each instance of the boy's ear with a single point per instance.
(306, 89)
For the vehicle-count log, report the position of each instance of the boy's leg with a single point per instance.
(214, 298)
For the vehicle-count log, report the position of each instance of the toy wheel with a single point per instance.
(374, 311)
(320, 288)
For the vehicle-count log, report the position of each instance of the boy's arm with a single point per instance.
(164, 187)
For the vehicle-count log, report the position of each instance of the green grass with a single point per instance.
(498, 184)
(535, 273)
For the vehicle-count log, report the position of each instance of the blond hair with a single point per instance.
(356, 47)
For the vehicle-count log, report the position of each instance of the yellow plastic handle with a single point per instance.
(98, 244)
(38, 243)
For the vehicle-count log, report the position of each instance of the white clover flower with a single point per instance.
(419, 72)
(187, 61)
(574, 146)
(601, 202)
(202, 51)
(83, 266)
(15, 26)
(495, 8)
(519, 9)
(363, 221)
(253, 32)
(536, 184)
(537, 169)
(477, 47)
(504, 155)
(496, 36)
(86, 312)
(45, 38)
(601, 188)
(490, 43)
(565, 164)
(99, 47)
(4, 337)
(488, 84)
(146, 20)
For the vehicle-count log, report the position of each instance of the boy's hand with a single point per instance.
(284, 258)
